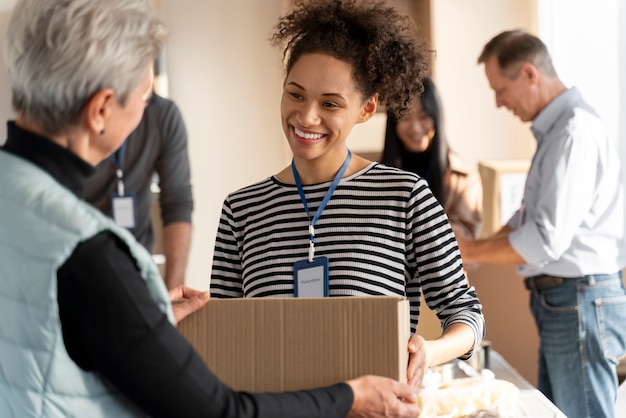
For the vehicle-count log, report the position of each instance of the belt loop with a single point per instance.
(592, 280)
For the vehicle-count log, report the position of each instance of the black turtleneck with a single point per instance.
(111, 325)
(66, 167)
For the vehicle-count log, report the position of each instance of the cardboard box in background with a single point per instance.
(503, 186)
(271, 344)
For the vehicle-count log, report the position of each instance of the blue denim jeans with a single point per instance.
(582, 330)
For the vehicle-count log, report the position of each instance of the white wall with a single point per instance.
(588, 59)
(227, 80)
(621, 86)
(475, 128)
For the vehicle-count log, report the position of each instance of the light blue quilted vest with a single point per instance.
(41, 223)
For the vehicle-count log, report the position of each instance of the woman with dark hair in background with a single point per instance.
(417, 143)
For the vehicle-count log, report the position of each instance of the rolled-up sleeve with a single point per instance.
(559, 195)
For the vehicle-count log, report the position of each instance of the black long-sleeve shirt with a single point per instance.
(112, 327)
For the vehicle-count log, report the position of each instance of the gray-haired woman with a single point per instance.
(87, 325)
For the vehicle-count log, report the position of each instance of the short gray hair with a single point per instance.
(513, 48)
(59, 53)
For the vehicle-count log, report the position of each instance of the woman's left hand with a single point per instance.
(418, 362)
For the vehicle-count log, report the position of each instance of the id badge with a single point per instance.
(124, 210)
(310, 280)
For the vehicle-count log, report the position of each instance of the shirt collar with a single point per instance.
(66, 167)
(544, 121)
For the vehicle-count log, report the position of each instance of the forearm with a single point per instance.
(457, 340)
(124, 344)
(495, 250)
(176, 244)
(503, 232)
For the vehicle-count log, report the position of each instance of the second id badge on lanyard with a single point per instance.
(311, 278)
(124, 213)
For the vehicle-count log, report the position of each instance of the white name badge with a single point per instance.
(311, 279)
(124, 210)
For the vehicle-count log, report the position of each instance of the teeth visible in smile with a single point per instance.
(307, 136)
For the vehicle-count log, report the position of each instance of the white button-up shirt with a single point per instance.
(571, 222)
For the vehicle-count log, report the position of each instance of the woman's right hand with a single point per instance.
(376, 396)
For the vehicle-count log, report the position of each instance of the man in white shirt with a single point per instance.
(568, 236)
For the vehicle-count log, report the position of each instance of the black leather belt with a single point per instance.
(544, 281)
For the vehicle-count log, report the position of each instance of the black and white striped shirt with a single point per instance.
(383, 232)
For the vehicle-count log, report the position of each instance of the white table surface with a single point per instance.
(535, 404)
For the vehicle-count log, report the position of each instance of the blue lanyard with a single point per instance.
(116, 159)
(319, 210)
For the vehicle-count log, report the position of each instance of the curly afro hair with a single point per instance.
(380, 44)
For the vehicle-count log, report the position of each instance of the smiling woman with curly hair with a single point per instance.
(350, 226)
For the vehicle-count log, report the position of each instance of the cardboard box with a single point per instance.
(503, 186)
(271, 344)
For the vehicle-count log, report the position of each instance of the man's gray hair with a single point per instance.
(513, 48)
(59, 53)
